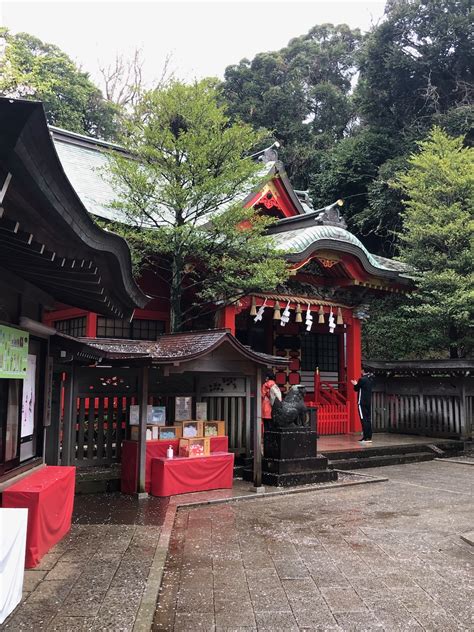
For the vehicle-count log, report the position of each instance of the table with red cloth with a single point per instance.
(48, 494)
(183, 475)
(154, 449)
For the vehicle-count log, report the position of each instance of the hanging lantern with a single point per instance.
(276, 311)
(321, 315)
(339, 320)
(253, 308)
(298, 318)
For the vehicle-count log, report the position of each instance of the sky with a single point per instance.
(202, 38)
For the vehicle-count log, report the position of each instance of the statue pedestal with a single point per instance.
(289, 458)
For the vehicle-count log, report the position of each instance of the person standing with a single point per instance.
(363, 387)
(269, 391)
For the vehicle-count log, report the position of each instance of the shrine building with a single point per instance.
(314, 320)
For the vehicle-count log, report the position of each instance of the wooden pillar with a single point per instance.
(91, 325)
(143, 399)
(248, 416)
(227, 318)
(69, 419)
(354, 367)
(257, 434)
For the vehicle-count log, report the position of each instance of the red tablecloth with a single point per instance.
(48, 494)
(182, 475)
(154, 449)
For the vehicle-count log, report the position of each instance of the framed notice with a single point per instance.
(28, 403)
(135, 415)
(156, 415)
(201, 411)
(183, 408)
(13, 353)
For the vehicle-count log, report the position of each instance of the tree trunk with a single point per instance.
(453, 342)
(176, 319)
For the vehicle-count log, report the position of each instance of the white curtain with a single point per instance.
(12, 558)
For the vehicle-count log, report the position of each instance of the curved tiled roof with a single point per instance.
(178, 347)
(300, 243)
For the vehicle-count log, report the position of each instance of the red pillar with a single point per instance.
(354, 367)
(91, 325)
(227, 318)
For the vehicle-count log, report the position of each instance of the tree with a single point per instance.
(437, 239)
(31, 69)
(302, 92)
(417, 63)
(181, 196)
(124, 83)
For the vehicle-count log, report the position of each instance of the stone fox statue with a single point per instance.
(291, 411)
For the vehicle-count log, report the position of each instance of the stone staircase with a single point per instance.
(379, 456)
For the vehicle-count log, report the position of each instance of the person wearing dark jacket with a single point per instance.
(364, 403)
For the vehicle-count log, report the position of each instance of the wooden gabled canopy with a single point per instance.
(46, 235)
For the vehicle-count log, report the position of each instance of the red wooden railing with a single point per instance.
(332, 406)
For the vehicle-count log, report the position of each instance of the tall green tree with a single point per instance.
(437, 239)
(181, 195)
(32, 69)
(301, 92)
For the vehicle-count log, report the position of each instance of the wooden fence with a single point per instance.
(425, 405)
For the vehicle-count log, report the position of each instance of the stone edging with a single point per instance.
(452, 462)
(146, 611)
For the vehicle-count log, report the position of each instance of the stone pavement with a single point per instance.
(94, 579)
(376, 557)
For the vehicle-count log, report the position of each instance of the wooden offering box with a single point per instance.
(214, 428)
(195, 447)
(169, 432)
(191, 429)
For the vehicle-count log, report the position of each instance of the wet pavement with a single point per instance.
(376, 557)
(95, 578)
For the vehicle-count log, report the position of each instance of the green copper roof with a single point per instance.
(295, 242)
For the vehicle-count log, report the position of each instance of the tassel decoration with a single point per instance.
(298, 317)
(253, 308)
(321, 315)
(339, 320)
(276, 311)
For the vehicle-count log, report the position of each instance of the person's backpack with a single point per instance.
(274, 394)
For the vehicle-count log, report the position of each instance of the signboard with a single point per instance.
(13, 353)
(134, 415)
(201, 411)
(183, 409)
(156, 415)
(28, 404)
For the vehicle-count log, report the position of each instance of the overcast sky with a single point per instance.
(201, 37)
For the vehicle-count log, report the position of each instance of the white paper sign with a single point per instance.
(28, 403)
(12, 558)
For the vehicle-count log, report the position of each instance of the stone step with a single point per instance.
(448, 448)
(381, 460)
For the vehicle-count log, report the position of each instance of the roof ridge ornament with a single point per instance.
(330, 215)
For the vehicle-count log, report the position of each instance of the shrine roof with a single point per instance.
(300, 243)
(47, 237)
(456, 366)
(178, 347)
(85, 162)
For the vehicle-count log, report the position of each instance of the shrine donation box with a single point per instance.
(13, 524)
(48, 494)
